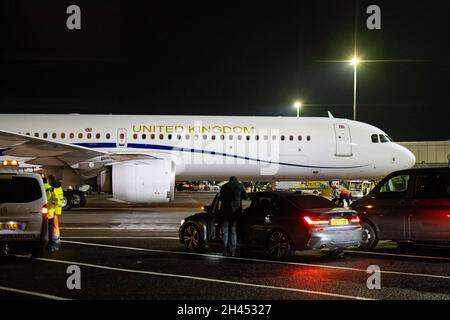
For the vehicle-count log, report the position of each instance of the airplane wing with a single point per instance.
(45, 152)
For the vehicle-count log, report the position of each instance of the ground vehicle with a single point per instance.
(409, 206)
(23, 212)
(279, 223)
(358, 188)
(306, 187)
(185, 186)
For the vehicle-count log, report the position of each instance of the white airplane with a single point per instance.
(144, 154)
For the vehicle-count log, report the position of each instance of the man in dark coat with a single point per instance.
(231, 196)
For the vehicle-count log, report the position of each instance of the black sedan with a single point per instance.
(279, 223)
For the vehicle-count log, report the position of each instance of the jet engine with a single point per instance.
(144, 181)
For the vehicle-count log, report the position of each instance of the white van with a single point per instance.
(23, 212)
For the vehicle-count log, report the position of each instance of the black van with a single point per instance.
(408, 206)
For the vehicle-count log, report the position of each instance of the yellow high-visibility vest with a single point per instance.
(55, 202)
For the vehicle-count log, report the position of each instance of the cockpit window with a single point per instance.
(383, 138)
(375, 138)
(389, 138)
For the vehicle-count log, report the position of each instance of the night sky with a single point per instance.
(230, 58)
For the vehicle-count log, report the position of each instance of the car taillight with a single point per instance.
(312, 221)
(44, 211)
(355, 219)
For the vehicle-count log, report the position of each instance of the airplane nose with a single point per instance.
(408, 158)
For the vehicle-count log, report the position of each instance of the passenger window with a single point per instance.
(169, 136)
(161, 137)
(205, 137)
(222, 137)
(383, 138)
(122, 136)
(63, 135)
(45, 135)
(187, 137)
(239, 137)
(179, 136)
(374, 138)
(266, 137)
(230, 137)
(247, 137)
(54, 135)
(89, 135)
(282, 138)
(308, 138)
(395, 186)
(274, 137)
(144, 136)
(299, 138)
(291, 138)
(213, 137)
(257, 137)
(36, 135)
(108, 136)
(97, 136)
(80, 136)
(433, 186)
(152, 136)
(71, 135)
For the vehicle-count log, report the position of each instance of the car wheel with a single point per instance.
(369, 237)
(278, 245)
(78, 199)
(38, 252)
(67, 202)
(192, 237)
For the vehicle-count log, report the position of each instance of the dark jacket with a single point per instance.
(231, 196)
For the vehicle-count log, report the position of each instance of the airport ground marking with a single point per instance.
(397, 255)
(118, 237)
(128, 228)
(425, 275)
(173, 275)
(33, 293)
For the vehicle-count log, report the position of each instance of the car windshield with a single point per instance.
(19, 189)
(311, 202)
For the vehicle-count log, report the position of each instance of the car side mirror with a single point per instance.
(206, 208)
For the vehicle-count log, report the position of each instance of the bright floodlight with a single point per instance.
(355, 61)
(297, 104)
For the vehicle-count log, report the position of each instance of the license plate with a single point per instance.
(9, 226)
(339, 222)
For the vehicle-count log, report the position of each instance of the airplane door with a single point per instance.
(343, 140)
(122, 137)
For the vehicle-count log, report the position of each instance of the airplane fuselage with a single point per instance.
(216, 147)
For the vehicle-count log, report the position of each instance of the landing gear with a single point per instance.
(67, 201)
(73, 199)
(78, 199)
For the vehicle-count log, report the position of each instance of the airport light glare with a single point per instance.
(298, 105)
(354, 61)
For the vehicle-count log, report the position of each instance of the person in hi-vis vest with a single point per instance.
(55, 197)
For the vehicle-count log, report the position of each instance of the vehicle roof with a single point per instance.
(21, 174)
(423, 170)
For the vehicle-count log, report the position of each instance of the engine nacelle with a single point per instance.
(144, 181)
